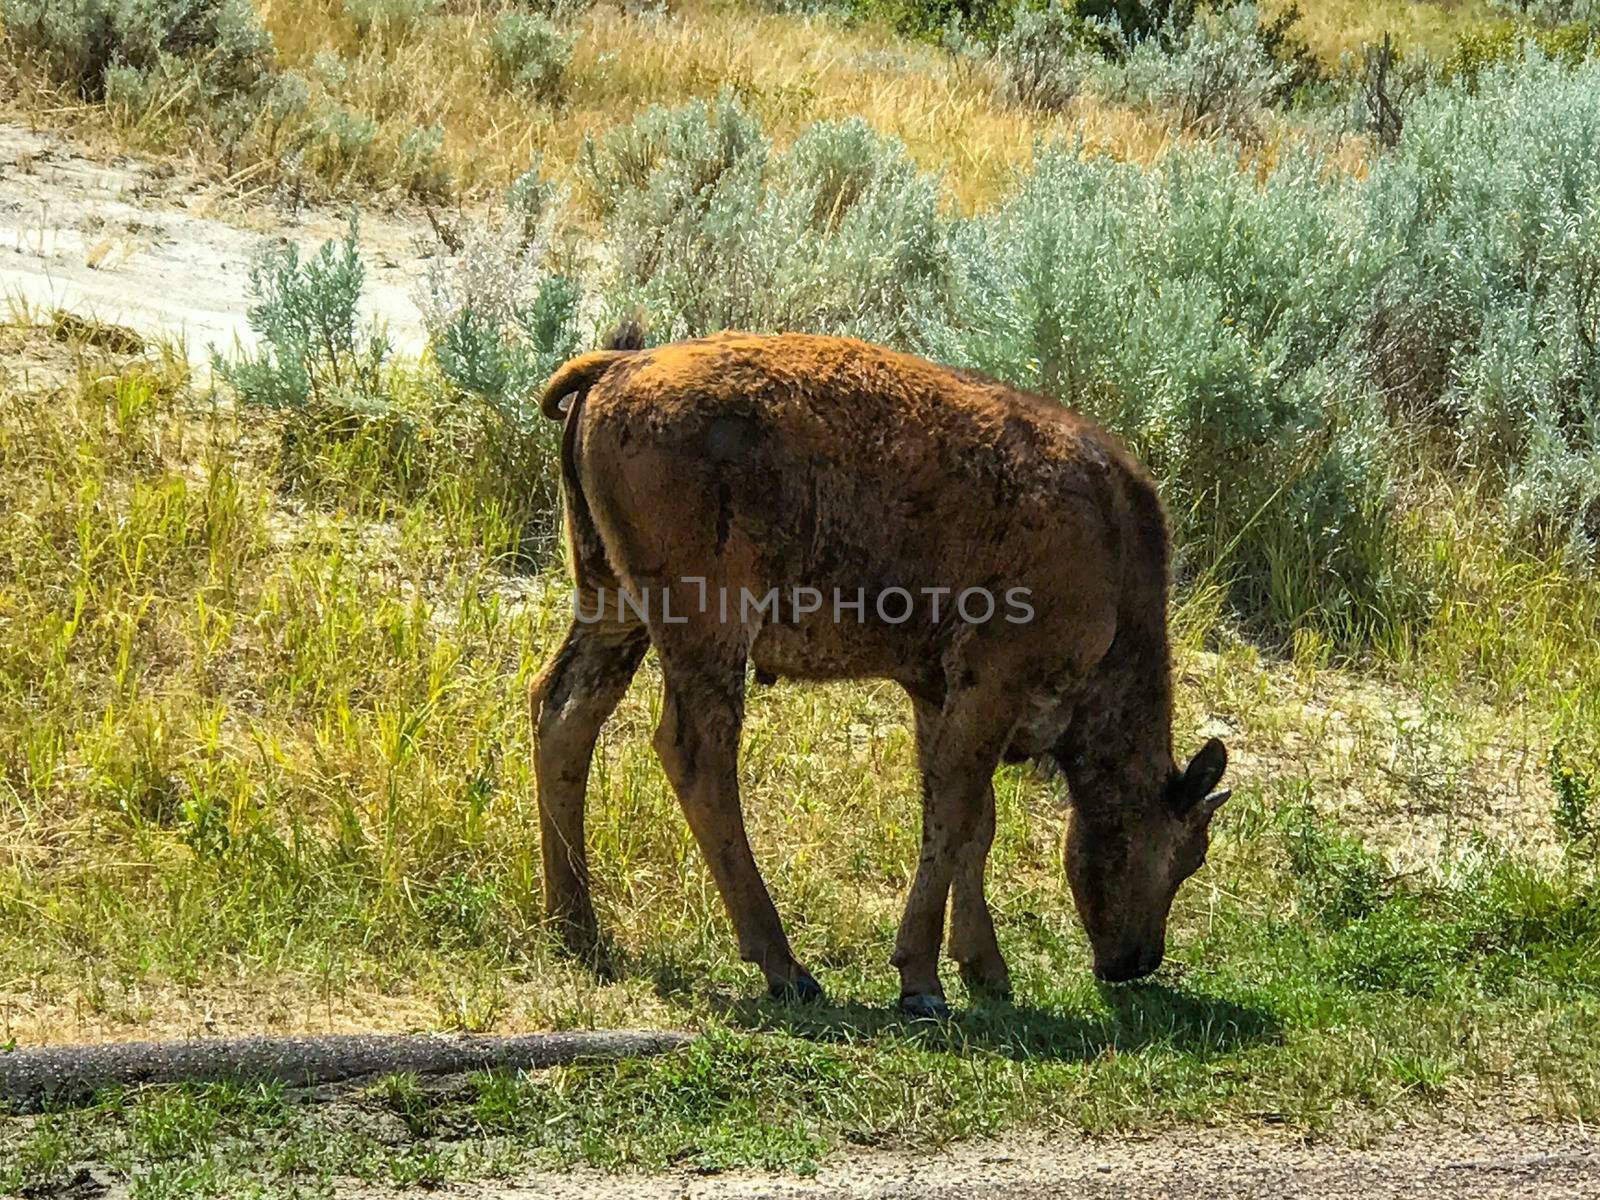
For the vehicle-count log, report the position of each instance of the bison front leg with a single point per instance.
(959, 753)
(973, 944)
(698, 743)
(972, 941)
(568, 702)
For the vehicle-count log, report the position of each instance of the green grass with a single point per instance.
(264, 765)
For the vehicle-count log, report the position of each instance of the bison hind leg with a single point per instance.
(698, 743)
(568, 702)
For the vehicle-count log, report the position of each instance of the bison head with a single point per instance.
(1126, 858)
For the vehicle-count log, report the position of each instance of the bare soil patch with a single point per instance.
(137, 244)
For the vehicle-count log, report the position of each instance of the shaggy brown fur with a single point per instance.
(732, 465)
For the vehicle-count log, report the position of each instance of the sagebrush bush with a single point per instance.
(1487, 215)
(418, 165)
(534, 202)
(360, 431)
(530, 53)
(499, 321)
(314, 349)
(1204, 318)
(1215, 75)
(711, 230)
(220, 45)
(1041, 60)
(1139, 20)
(341, 142)
(667, 159)
(286, 97)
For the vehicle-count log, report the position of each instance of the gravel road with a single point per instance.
(1518, 1161)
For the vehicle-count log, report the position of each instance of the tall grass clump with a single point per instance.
(714, 230)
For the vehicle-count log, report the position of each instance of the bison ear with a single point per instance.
(1202, 774)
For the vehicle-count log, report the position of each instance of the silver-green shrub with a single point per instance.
(1488, 317)
(1041, 61)
(534, 202)
(1206, 318)
(666, 160)
(499, 320)
(419, 163)
(530, 53)
(711, 230)
(1214, 74)
(221, 44)
(341, 141)
(314, 349)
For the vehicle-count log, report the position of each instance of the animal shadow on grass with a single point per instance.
(1136, 1015)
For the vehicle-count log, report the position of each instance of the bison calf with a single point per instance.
(827, 509)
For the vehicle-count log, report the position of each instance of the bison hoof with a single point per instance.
(924, 1006)
(800, 990)
(995, 988)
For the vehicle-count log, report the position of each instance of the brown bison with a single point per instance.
(826, 509)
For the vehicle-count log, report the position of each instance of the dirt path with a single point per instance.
(134, 244)
(1514, 1161)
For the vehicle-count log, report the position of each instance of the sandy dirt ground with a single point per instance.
(1516, 1162)
(136, 244)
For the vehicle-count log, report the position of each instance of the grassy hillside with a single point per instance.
(264, 637)
(355, 90)
(265, 768)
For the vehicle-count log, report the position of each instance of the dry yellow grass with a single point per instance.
(790, 70)
(1334, 28)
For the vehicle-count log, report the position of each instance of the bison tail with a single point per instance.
(579, 374)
